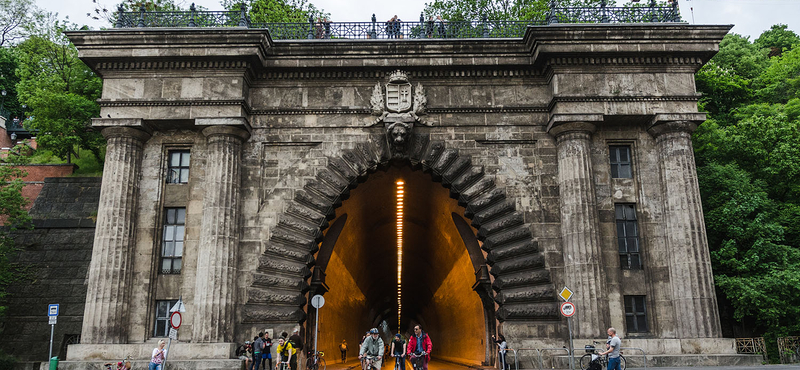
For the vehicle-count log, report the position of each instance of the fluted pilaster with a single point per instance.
(105, 315)
(583, 271)
(219, 236)
(691, 277)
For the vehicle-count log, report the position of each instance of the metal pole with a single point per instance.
(571, 348)
(52, 330)
(316, 331)
(164, 364)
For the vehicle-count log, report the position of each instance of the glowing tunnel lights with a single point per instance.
(400, 194)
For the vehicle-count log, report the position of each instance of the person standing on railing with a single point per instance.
(398, 27)
(429, 27)
(390, 27)
(613, 350)
(503, 347)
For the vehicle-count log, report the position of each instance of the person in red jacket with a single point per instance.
(420, 344)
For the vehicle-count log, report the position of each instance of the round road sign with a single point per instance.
(317, 301)
(175, 320)
(567, 309)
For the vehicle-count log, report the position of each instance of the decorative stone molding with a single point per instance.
(289, 251)
(293, 75)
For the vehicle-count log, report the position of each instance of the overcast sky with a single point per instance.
(750, 17)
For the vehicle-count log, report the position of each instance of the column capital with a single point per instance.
(124, 131)
(562, 123)
(233, 131)
(675, 123)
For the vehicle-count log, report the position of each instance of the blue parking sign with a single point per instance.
(52, 310)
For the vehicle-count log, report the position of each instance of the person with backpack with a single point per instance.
(398, 351)
(502, 348)
(285, 352)
(372, 348)
(266, 354)
(343, 349)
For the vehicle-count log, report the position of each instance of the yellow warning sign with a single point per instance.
(565, 294)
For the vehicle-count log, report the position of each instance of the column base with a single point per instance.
(143, 351)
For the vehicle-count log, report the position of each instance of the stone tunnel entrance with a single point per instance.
(445, 283)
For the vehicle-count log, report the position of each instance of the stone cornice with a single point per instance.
(172, 64)
(415, 74)
(172, 103)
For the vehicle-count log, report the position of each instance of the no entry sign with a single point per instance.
(175, 320)
(567, 309)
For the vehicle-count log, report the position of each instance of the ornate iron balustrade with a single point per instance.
(421, 29)
(752, 346)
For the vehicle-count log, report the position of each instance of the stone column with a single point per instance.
(215, 290)
(583, 268)
(690, 273)
(105, 317)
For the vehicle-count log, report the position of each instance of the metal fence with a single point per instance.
(755, 346)
(483, 28)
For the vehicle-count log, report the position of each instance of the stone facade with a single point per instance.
(518, 130)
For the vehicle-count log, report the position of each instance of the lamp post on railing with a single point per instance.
(193, 10)
(676, 17)
(551, 16)
(653, 11)
(603, 11)
(141, 17)
(120, 10)
(310, 27)
(374, 33)
(243, 16)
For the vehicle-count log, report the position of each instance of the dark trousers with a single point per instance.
(293, 362)
(344, 356)
(400, 363)
(256, 361)
(264, 359)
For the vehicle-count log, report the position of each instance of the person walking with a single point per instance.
(343, 349)
(372, 347)
(398, 351)
(159, 354)
(614, 346)
(420, 344)
(258, 347)
(503, 347)
(297, 344)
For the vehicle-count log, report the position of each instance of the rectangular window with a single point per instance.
(178, 167)
(172, 243)
(162, 317)
(635, 314)
(628, 237)
(620, 161)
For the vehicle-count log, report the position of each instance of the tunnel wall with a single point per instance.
(455, 316)
(344, 314)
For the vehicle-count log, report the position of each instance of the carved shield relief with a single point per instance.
(398, 97)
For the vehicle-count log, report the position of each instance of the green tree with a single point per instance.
(8, 82)
(60, 92)
(14, 16)
(777, 40)
(514, 10)
(278, 11)
(101, 12)
(780, 82)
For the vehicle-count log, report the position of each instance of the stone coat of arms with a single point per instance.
(400, 111)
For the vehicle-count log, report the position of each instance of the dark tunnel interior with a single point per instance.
(438, 272)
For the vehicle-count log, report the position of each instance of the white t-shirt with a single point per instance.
(153, 356)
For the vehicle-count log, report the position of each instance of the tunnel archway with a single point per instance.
(519, 283)
(441, 260)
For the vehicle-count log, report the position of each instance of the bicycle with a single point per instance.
(416, 360)
(367, 363)
(592, 361)
(315, 361)
(283, 365)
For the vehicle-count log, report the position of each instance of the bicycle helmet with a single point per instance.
(373, 331)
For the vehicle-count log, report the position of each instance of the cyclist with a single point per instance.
(613, 350)
(285, 351)
(372, 347)
(420, 344)
(398, 351)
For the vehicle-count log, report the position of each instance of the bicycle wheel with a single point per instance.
(585, 361)
(321, 365)
(622, 362)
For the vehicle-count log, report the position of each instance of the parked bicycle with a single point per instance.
(315, 361)
(592, 361)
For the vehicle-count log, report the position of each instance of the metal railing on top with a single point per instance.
(483, 28)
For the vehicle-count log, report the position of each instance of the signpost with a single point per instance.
(175, 320)
(567, 310)
(52, 314)
(317, 301)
